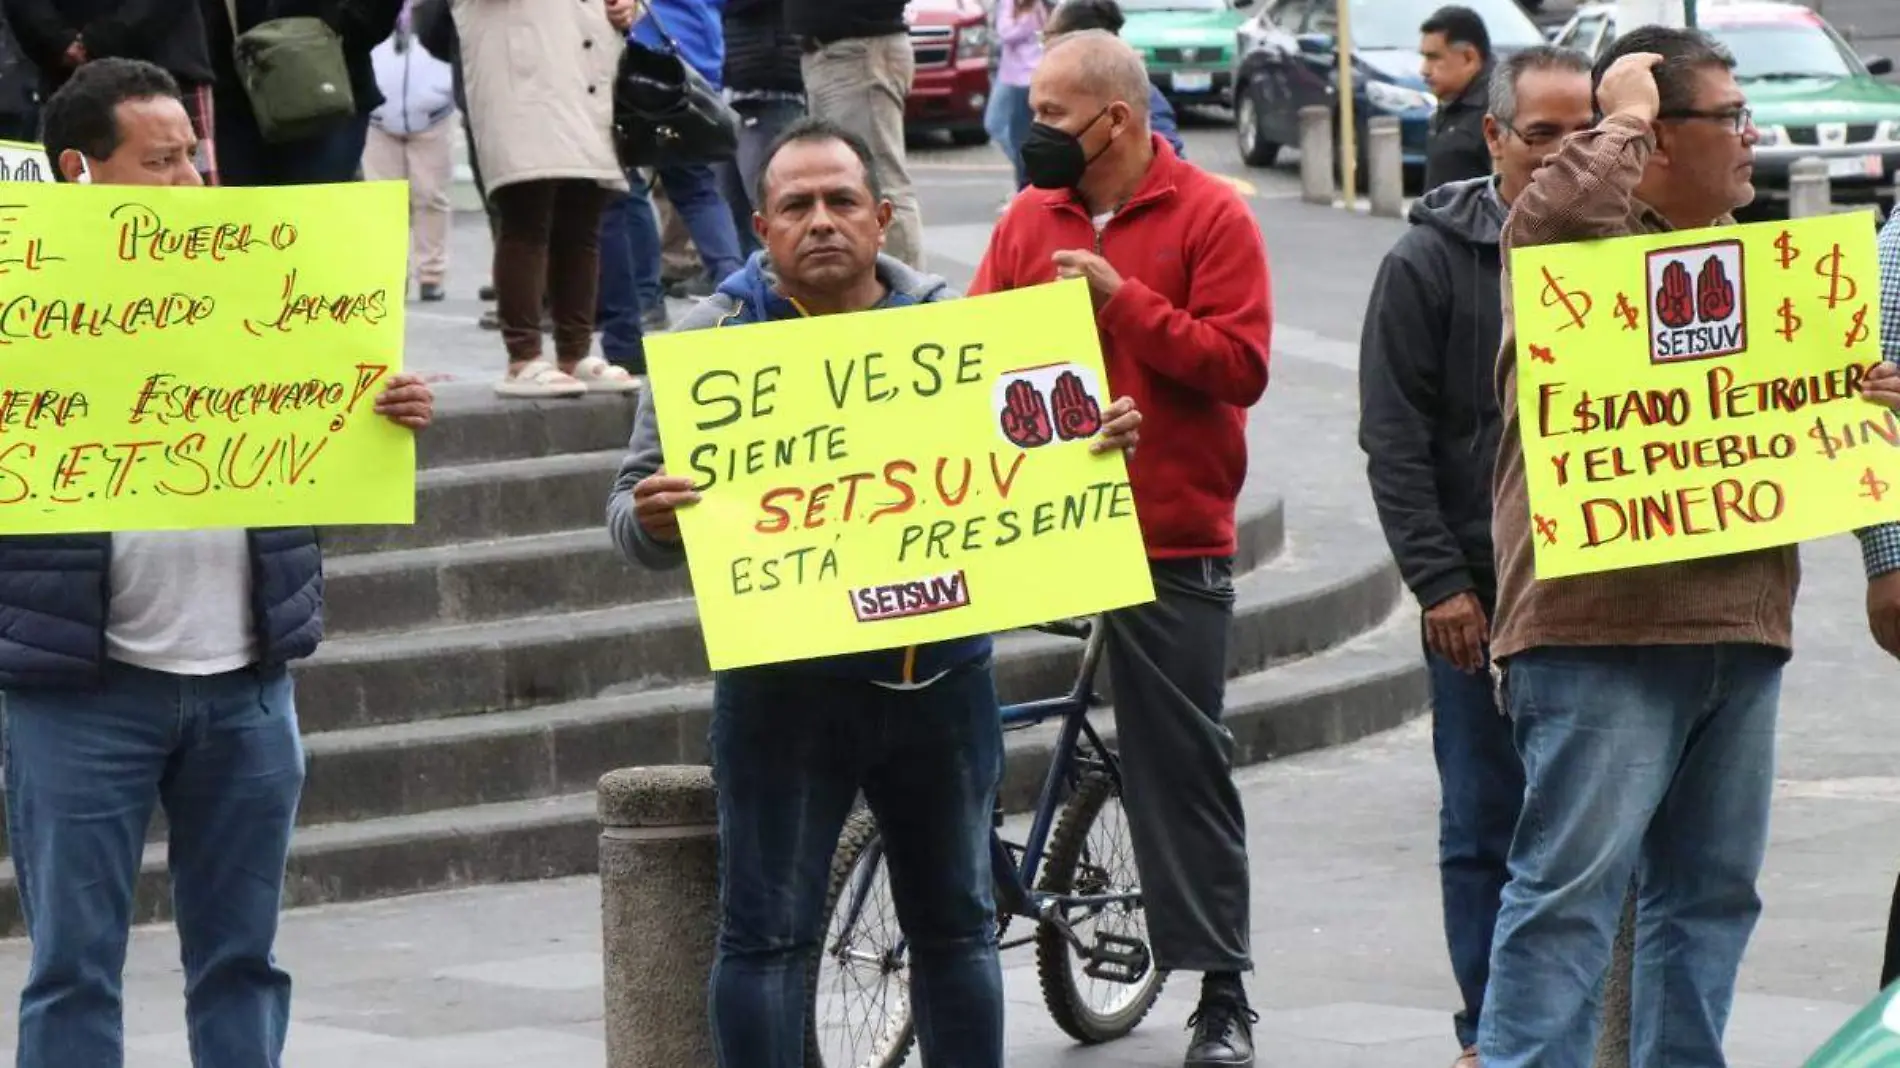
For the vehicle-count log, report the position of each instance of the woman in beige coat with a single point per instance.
(540, 78)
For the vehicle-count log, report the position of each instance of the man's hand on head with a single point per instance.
(1629, 87)
(407, 401)
(1104, 280)
(1883, 611)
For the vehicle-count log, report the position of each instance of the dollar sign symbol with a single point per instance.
(1790, 321)
(1858, 332)
(1555, 294)
(1877, 487)
(1841, 286)
(1626, 311)
(1785, 245)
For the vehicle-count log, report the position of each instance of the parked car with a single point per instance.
(1188, 46)
(1289, 59)
(952, 45)
(1810, 93)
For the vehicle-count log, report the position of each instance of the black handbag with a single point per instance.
(665, 112)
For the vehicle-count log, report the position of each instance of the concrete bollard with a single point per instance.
(1386, 182)
(659, 911)
(1810, 190)
(1316, 155)
(1613, 1032)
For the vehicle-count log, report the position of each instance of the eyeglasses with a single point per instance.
(1738, 120)
(1536, 138)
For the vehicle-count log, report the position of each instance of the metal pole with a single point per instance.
(1348, 130)
(1688, 13)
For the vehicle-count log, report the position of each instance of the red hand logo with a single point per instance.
(1714, 293)
(1025, 415)
(1675, 303)
(1077, 414)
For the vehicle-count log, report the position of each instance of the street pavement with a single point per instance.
(1351, 966)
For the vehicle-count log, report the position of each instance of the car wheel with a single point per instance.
(966, 136)
(1250, 130)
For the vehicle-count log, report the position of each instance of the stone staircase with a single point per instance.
(487, 665)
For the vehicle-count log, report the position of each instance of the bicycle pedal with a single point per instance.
(1118, 959)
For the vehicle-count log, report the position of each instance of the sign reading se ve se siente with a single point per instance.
(175, 358)
(1696, 394)
(896, 477)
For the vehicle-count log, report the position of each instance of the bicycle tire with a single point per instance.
(860, 833)
(1053, 952)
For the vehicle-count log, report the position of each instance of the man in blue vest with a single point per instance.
(147, 668)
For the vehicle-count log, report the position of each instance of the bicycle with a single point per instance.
(1075, 880)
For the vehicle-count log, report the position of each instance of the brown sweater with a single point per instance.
(1587, 191)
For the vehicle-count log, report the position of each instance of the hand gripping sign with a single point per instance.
(1688, 395)
(895, 477)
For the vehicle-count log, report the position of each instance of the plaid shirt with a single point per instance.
(1880, 546)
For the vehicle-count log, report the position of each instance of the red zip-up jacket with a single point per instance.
(1186, 336)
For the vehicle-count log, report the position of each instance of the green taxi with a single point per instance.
(1188, 46)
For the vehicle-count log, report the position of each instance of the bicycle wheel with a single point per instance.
(1090, 853)
(858, 1001)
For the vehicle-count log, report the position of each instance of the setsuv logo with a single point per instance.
(901, 600)
(1698, 308)
(1037, 406)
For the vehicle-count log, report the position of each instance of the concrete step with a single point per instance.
(456, 670)
(473, 426)
(477, 582)
(1288, 609)
(1370, 683)
(494, 499)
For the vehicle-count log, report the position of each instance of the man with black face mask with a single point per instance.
(1178, 271)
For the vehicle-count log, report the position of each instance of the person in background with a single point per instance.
(19, 88)
(1429, 424)
(766, 87)
(1883, 544)
(1074, 16)
(141, 669)
(1457, 68)
(694, 189)
(1178, 272)
(240, 155)
(540, 79)
(409, 139)
(59, 36)
(1019, 28)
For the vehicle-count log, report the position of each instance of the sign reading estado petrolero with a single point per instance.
(188, 358)
(899, 476)
(1697, 394)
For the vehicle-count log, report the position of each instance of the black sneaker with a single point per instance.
(430, 292)
(1223, 1035)
(487, 293)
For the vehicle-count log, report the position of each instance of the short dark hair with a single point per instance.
(1460, 26)
(809, 130)
(1685, 53)
(1530, 60)
(84, 114)
(1072, 16)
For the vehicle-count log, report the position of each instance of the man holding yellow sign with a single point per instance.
(863, 471)
(149, 666)
(1671, 389)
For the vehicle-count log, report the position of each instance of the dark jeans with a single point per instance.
(790, 753)
(1480, 793)
(84, 771)
(694, 189)
(246, 159)
(1652, 761)
(629, 274)
(1167, 663)
(760, 123)
(548, 250)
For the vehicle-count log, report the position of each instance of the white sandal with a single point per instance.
(599, 376)
(539, 378)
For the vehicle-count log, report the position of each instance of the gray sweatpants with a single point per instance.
(1167, 664)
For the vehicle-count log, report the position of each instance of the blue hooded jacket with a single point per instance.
(696, 26)
(750, 295)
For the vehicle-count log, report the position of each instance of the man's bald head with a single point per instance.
(1093, 67)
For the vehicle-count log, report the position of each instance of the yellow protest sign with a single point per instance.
(180, 358)
(1695, 394)
(896, 477)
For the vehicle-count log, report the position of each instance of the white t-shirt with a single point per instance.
(181, 601)
(1101, 220)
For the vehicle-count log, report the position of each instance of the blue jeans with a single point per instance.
(84, 771)
(1480, 792)
(760, 123)
(629, 275)
(1007, 120)
(695, 190)
(1656, 761)
(790, 753)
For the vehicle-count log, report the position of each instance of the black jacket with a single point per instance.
(1428, 415)
(824, 21)
(1456, 151)
(762, 55)
(169, 33)
(363, 24)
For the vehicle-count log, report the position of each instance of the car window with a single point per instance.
(1287, 14)
(1584, 34)
(1787, 50)
(1393, 24)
